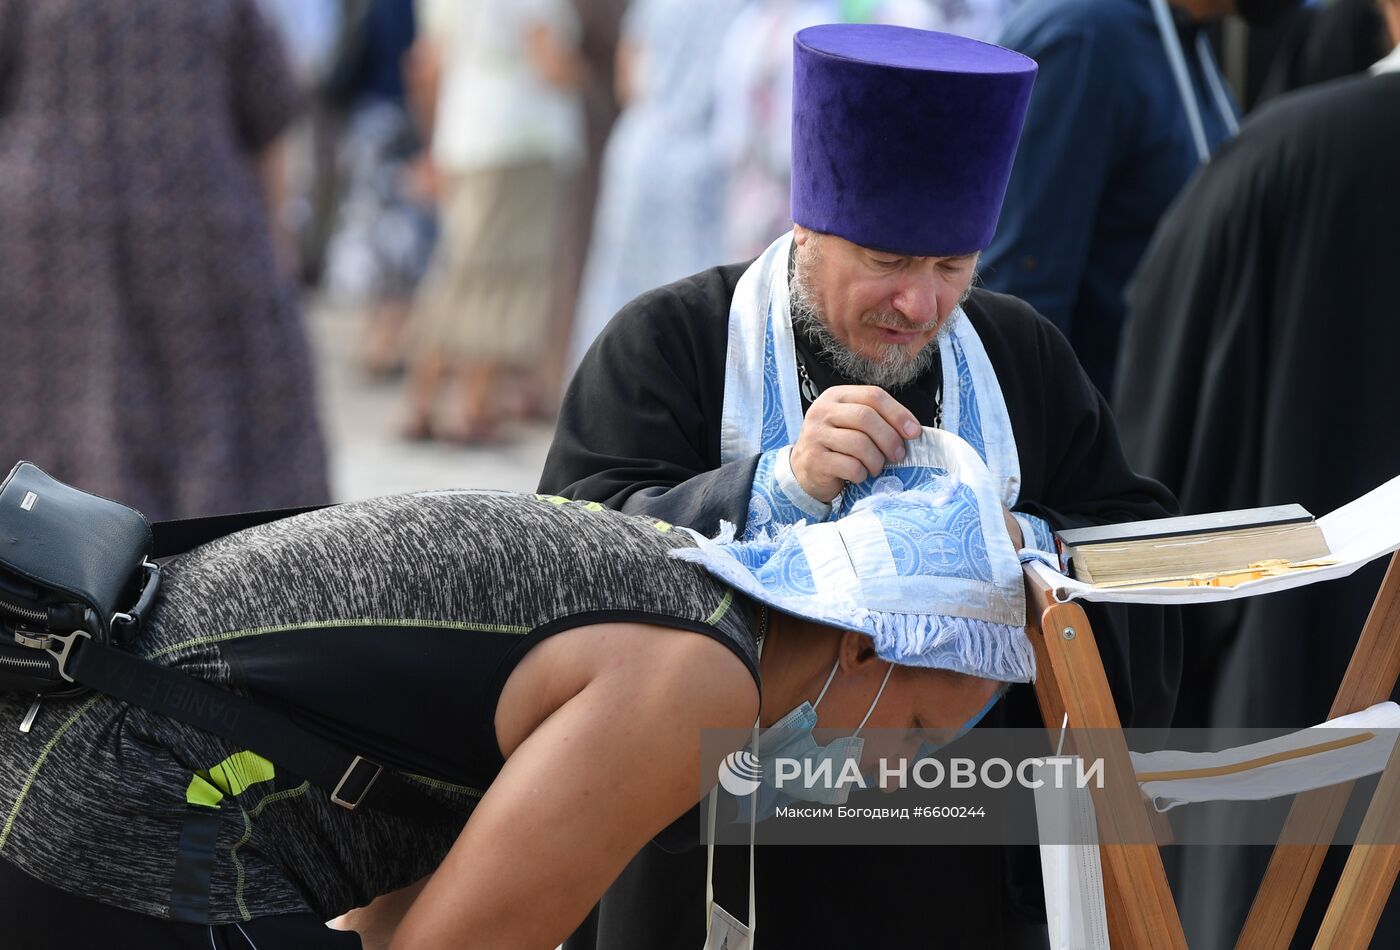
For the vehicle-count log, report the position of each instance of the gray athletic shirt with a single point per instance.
(375, 623)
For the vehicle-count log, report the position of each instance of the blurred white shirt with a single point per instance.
(494, 108)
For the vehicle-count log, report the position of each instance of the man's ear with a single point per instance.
(855, 651)
(800, 235)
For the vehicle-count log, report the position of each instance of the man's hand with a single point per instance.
(377, 921)
(850, 434)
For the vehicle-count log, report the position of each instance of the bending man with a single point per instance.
(542, 669)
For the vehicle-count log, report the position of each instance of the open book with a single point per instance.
(1357, 533)
(1219, 549)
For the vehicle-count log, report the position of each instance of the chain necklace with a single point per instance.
(810, 391)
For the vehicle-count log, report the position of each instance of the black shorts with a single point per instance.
(34, 916)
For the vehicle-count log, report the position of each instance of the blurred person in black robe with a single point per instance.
(647, 427)
(1314, 44)
(1257, 369)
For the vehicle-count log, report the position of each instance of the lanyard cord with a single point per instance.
(710, 857)
(714, 801)
(710, 863)
(753, 823)
(1217, 87)
(1171, 43)
(1177, 59)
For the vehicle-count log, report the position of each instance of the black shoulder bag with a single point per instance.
(77, 577)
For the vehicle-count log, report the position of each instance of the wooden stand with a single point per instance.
(1141, 910)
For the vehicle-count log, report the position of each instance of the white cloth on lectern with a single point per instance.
(1288, 777)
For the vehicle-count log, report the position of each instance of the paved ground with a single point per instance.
(362, 418)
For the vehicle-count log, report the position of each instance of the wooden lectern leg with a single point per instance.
(1370, 871)
(1070, 679)
(1293, 868)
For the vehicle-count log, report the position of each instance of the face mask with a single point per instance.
(790, 738)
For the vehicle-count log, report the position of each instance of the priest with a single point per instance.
(756, 393)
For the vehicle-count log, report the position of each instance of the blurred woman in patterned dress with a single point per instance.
(154, 348)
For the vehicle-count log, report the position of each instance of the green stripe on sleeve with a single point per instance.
(722, 609)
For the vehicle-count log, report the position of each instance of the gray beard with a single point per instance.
(892, 369)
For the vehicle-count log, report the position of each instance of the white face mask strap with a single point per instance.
(710, 863)
(710, 856)
(883, 683)
(827, 684)
(753, 823)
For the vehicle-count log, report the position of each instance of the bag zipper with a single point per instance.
(25, 613)
(25, 663)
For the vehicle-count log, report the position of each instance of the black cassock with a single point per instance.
(640, 430)
(1259, 366)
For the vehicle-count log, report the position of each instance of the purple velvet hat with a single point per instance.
(902, 140)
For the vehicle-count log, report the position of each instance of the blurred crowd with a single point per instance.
(478, 187)
(511, 174)
(483, 185)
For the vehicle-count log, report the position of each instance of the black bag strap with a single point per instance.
(178, 536)
(352, 780)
